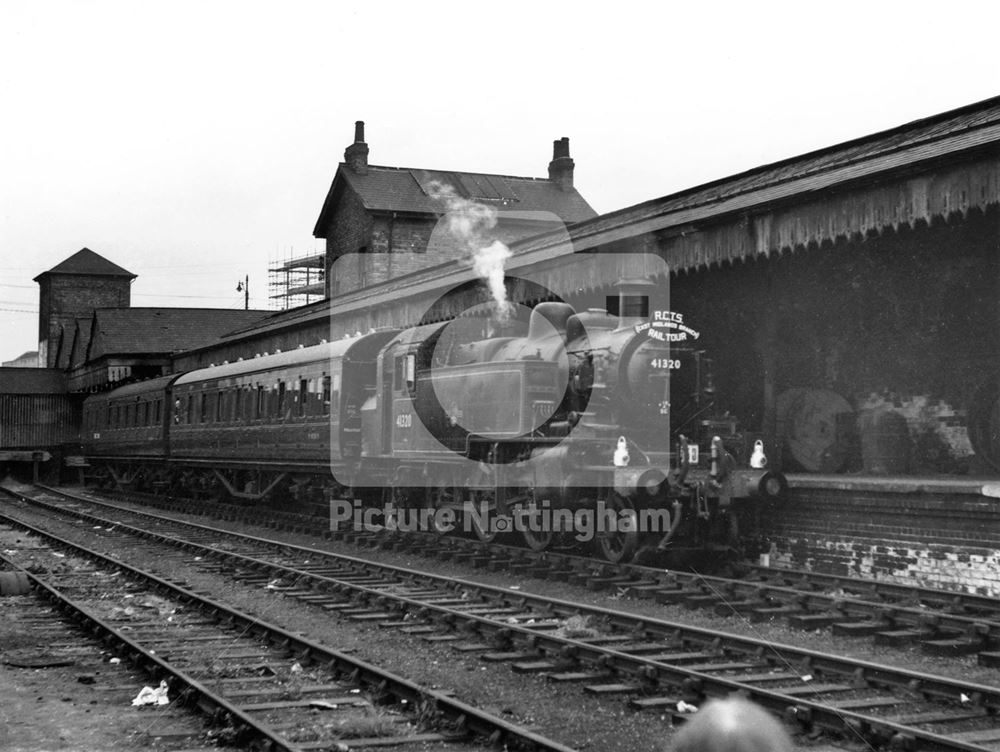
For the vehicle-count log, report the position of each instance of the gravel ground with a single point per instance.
(83, 706)
(775, 630)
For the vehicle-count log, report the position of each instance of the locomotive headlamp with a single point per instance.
(621, 453)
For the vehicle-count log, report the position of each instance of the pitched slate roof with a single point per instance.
(137, 331)
(405, 189)
(80, 342)
(85, 261)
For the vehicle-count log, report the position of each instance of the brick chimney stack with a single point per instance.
(561, 166)
(356, 155)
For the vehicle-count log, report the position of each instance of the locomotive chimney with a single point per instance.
(356, 155)
(561, 166)
(633, 302)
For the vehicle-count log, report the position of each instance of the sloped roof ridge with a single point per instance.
(86, 261)
(234, 311)
(456, 172)
(702, 193)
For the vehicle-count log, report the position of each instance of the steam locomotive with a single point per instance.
(557, 425)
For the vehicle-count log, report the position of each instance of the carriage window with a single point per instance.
(157, 408)
(189, 410)
(218, 406)
(145, 413)
(303, 395)
(203, 409)
(326, 395)
(281, 400)
(109, 423)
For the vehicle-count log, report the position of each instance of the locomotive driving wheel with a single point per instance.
(535, 528)
(618, 543)
(481, 513)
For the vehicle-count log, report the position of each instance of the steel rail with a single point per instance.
(651, 673)
(981, 629)
(471, 719)
(193, 692)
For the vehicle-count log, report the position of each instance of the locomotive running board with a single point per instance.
(245, 495)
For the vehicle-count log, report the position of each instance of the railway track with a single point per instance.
(259, 684)
(652, 663)
(68, 671)
(943, 623)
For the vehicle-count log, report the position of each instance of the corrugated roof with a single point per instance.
(85, 261)
(135, 331)
(405, 189)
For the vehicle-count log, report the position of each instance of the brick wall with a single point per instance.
(946, 539)
(350, 231)
(64, 298)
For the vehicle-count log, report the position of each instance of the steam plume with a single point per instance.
(472, 225)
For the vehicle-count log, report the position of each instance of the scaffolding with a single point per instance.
(297, 281)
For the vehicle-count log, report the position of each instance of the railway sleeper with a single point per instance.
(989, 659)
(900, 637)
(864, 628)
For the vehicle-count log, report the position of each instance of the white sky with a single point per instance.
(193, 142)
